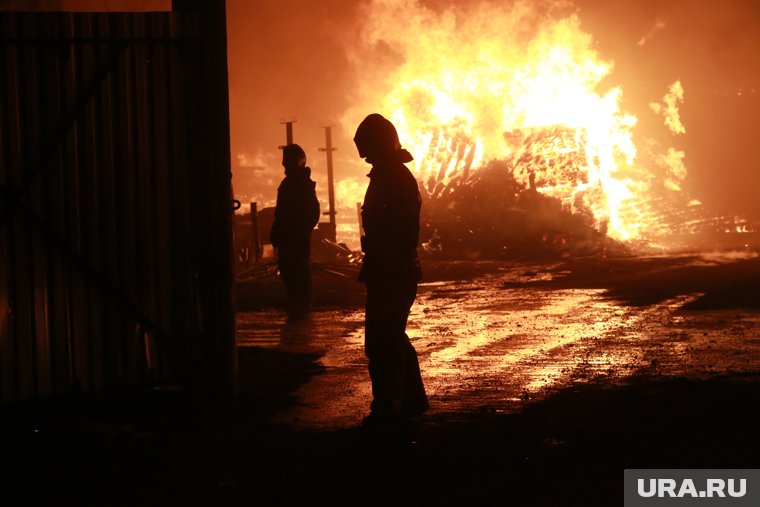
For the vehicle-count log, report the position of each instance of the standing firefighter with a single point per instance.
(391, 270)
(295, 216)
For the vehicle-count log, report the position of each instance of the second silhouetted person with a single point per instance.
(296, 215)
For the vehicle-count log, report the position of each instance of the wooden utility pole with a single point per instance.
(330, 184)
(288, 131)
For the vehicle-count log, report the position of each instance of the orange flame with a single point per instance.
(491, 82)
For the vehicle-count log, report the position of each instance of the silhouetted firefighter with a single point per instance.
(391, 270)
(295, 216)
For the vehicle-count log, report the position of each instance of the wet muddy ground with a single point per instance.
(546, 381)
(512, 336)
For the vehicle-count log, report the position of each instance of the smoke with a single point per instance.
(659, 25)
(287, 60)
(711, 47)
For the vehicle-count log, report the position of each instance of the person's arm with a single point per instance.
(314, 206)
(275, 233)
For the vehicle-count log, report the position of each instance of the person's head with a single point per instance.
(293, 156)
(376, 139)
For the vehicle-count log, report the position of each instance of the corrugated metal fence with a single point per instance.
(111, 193)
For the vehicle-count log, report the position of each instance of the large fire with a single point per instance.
(518, 82)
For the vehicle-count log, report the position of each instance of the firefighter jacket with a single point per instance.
(391, 222)
(297, 211)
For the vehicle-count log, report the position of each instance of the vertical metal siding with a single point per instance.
(97, 256)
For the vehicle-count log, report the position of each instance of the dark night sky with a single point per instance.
(290, 59)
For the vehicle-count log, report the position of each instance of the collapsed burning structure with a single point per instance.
(488, 213)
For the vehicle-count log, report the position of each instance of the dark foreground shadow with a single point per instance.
(269, 378)
(334, 286)
(569, 449)
(572, 447)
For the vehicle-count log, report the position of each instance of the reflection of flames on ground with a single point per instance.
(502, 103)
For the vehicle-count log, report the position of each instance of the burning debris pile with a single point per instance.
(523, 145)
(491, 213)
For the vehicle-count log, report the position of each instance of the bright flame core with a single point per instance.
(489, 82)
